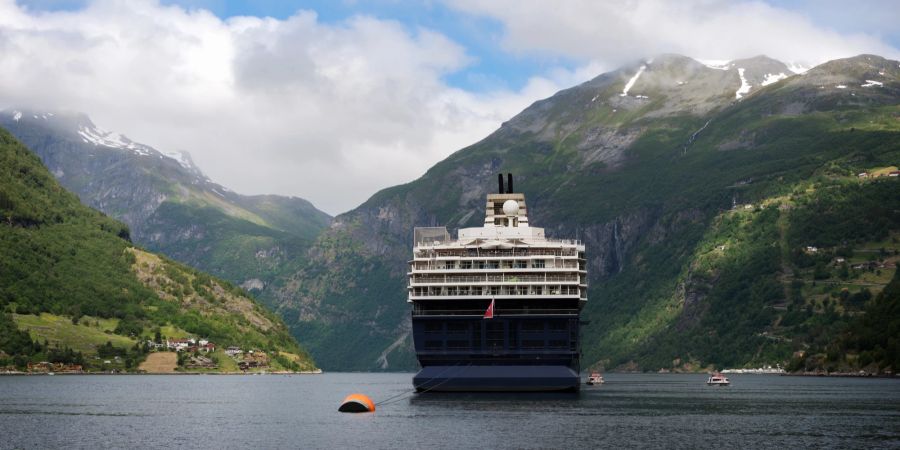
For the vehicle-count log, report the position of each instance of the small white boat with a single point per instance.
(717, 379)
(595, 378)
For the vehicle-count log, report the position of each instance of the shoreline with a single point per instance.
(28, 374)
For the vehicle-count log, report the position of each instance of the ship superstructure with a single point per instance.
(497, 309)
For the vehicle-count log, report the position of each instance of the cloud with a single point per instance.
(334, 111)
(620, 31)
(329, 112)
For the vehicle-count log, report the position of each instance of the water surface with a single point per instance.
(300, 411)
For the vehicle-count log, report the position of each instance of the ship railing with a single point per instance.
(436, 237)
(497, 312)
(431, 265)
(494, 279)
(479, 253)
(435, 291)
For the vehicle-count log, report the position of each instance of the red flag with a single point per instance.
(489, 314)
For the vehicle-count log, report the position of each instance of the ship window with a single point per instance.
(493, 264)
(532, 343)
(557, 343)
(495, 290)
(520, 264)
(465, 265)
(479, 264)
(538, 264)
(434, 345)
(451, 290)
(457, 344)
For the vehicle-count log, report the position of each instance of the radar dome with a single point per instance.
(511, 208)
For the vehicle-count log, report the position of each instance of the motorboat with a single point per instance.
(595, 378)
(717, 379)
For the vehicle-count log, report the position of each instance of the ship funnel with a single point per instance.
(509, 187)
(500, 182)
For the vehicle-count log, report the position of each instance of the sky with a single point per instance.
(333, 100)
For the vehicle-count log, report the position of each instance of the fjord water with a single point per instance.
(300, 411)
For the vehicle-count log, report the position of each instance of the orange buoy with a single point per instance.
(356, 403)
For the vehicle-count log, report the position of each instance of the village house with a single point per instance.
(233, 351)
(178, 344)
(864, 175)
(894, 173)
(811, 249)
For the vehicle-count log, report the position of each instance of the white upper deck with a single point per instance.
(505, 259)
(505, 227)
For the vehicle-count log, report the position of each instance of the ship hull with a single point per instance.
(505, 354)
(496, 379)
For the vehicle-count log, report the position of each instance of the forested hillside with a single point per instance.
(62, 260)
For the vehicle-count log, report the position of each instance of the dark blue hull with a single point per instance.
(496, 379)
(512, 353)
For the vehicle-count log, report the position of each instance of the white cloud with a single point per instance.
(335, 111)
(620, 31)
(329, 112)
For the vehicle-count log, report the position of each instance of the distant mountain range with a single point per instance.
(695, 186)
(72, 280)
(168, 203)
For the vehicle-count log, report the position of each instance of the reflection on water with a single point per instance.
(301, 411)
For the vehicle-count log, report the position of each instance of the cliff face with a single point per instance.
(638, 163)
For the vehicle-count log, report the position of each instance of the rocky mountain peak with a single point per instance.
(78, 127)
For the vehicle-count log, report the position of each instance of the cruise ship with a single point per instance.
(497, 308)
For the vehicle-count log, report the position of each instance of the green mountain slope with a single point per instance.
(643, 178)
(62, 258)
(169, 204)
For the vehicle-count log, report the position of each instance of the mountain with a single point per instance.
(71, 277)
(646, 165)
(168, 203)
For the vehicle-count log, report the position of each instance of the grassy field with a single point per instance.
(160, 362)
(59, 330)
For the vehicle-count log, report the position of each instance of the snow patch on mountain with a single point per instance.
(183, 158)
(718, 64)
(98, 136)
(773, 78)
(797, 68)
(745, 85)
(870, 83)
(17, 115)
(632, 81)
